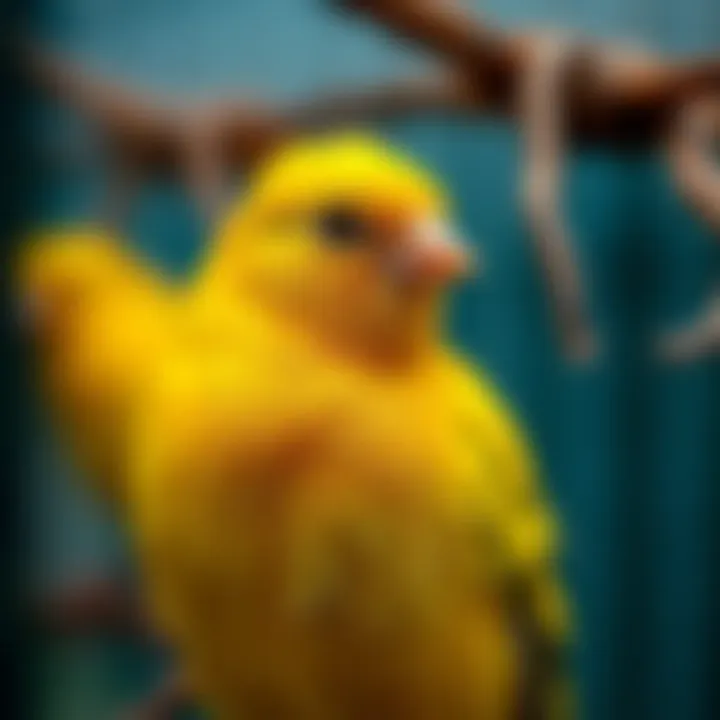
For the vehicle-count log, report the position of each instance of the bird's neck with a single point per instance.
(396, 348)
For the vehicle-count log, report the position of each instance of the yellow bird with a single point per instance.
(337, 517)
(97, 316)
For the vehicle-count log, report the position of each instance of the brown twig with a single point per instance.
(691, 154)
(697, 175)
(160, 133)
(102, 608)
(201, 142)
(203, 168)
(95, 607)
(151, 129)
(701, 339)
(542, 120)
(124, 185)
(627, 103)
(148, 136)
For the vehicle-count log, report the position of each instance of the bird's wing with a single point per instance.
(62, 270)
(525, 537)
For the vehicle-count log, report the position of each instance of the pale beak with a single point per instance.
(429, 254)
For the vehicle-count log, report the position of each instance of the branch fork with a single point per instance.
(562, 92)
(693, 161)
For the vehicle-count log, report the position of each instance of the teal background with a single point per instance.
(631, 447)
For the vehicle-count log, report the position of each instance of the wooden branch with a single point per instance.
(542, 120)
(700, 340)
(444, 92)
(450, 31)
(124, 185)
(200, 142)
(102, 608)
(614, 97)
(203, 169)
(159, 133)
(94, 607)
(691, 154)
(151, 130)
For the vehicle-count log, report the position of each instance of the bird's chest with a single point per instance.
(401, 441)
(347, 546)
(379, 514)
(336, 432)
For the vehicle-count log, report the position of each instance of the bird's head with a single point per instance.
(347, 237)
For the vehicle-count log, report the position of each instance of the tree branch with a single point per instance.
(622, 104)
(692, 157)
(542, 120)
(701, 339)
(159, 133)
(199, 142)
(691, 153)
(150, 130)
(95, 607)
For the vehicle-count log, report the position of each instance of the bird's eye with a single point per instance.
(341, 226)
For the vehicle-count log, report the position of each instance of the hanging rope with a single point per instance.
(542, 110)
(691, 153)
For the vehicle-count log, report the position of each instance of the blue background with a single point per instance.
(631, 447)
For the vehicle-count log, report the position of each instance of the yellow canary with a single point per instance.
(97, 316)
(336, 516)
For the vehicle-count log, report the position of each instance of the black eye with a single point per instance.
(341, 226)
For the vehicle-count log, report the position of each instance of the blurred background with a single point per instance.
(631, 446)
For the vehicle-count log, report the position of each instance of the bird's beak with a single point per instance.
(428, 254)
